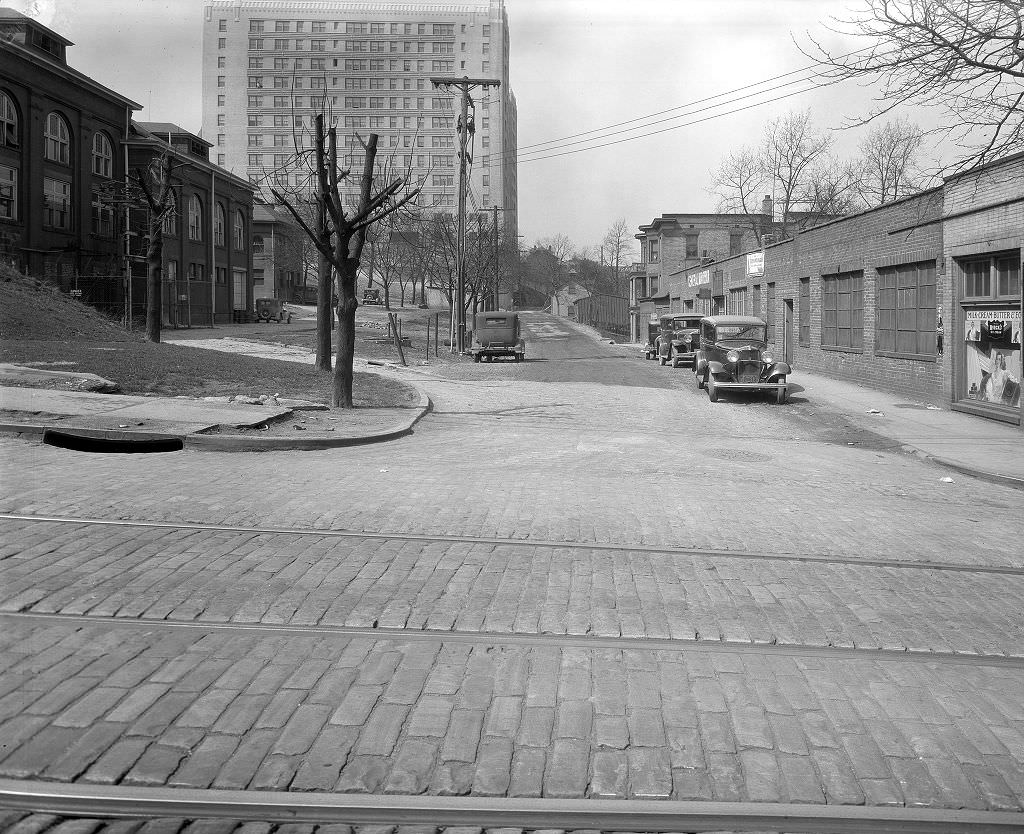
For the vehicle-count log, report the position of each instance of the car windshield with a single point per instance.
(686, 324)
(739, 332)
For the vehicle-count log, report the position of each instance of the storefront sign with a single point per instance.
(755, 263)
(698, 278)
(992, 356)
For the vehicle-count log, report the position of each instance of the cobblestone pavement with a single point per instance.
(584, 445)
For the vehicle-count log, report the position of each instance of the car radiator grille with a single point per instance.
(748, 372)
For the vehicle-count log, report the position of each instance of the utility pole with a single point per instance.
(497, 293)
(465, 128)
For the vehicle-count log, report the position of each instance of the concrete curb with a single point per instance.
(237, 442)
(963, 469)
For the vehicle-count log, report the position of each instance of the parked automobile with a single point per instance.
(496, 333)
(734, 356)
(272, 309)
(372, 296)
(679, 340)
(651, 348)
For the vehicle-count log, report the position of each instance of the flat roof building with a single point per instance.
(269, 67)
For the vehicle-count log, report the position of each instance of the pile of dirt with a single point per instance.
(35, 310)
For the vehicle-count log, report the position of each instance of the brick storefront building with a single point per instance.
(921, 296)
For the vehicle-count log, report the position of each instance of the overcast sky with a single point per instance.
(576, 66)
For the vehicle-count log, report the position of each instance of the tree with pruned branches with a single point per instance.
(964, 57)
(158, 195)
(340, 230)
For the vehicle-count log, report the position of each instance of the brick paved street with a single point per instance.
(774, 553)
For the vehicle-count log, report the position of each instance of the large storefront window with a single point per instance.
(992, 323)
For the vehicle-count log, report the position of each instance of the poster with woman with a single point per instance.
(992, 356)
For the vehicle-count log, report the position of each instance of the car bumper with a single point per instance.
(750, 386)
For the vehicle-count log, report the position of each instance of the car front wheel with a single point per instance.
(712, 388)
(700, 379)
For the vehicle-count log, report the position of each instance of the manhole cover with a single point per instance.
(738, 455)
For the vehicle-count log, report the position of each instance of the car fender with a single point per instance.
(779, 369)
(698, 364)
(716, 368)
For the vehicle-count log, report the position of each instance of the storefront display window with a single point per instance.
(992, 324)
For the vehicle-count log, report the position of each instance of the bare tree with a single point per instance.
(831, 188)
(739, 184)
(158, 195)
(789, 152)
(343, 248)
(562, 250)
(618, 241)
(888, 160)
(964, 57)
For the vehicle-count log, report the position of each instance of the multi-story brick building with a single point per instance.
(207, 268)
(920, 296)
(62, 159)
(269, 67)
(279, 253)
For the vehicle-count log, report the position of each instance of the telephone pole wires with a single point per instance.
(466, 128)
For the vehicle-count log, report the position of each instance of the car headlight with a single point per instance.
(732, 356)
(768, 357)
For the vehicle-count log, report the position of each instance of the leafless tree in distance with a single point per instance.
(739, 184)
(889, 162)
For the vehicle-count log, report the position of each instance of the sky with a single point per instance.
(577, 66)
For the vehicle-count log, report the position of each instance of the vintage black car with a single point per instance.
(679, 339)
(495, 334)
(272, 309)
(734, 356)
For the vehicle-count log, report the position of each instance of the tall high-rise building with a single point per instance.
(270, 65)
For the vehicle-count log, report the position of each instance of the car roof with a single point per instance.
(717, 320)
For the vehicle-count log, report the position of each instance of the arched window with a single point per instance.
(10, 135)
(239, 231)
(102, 156)
(57, 139)
(195, 218)
(220, 223)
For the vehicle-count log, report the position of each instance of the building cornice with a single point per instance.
(291, 7)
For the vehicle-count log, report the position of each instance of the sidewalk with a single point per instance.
(971, 445)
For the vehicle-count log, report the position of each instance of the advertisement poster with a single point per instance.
(755, 263)
(993, 356)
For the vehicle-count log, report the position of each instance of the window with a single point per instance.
(8, 193)
(170, 224)
(195, 218)
(255, 101)
(221, 82)
(255, 140)
(57, 140)
(255, 44)
(905, 310)
(735, 243)
(255, 120)
(485, 30)
(804, 312)
(221, 100)
(319, 26)
(102, 217)
(222, 43)
(842, 311)
(738, 298)
(222, 25)
(485, 66)
(280, 44)
(196, 272)
(992, 277)
(485, 49)
(222, 62)
(282, 26)
(56, 203)
(255, 82)
(102, 156)
(691, 246)
(255, 25)
(222, 274)
(257, 245)
(654, 256)
(172, 272)
(280, 101)
(444, 30)
(9, 133)
(219, 224)
(239, 231)
(255, 63)
(220, 140)
(220, 159)
(487, 181)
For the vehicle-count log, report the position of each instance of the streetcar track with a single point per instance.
(697, 552)
(653, 815)
(522, 638)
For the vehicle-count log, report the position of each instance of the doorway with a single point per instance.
(787, 336)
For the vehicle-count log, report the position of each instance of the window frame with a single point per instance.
(219, 224)
(102, 155)
(238, 231)
(66, 214)
(55, 142)
(195, 218)
(9, 185)
(804, 312)
(10, 122)
(832, 290)
(893, 294)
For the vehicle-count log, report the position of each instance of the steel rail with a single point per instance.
(707, 553)
(493, 638)
(106, 801)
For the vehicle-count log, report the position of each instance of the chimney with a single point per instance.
(767, 207)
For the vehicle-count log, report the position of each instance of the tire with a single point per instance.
(780, 395)
(700, 381)
(476, 357)
(663, 360)
(675, 361)
(712, 388)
